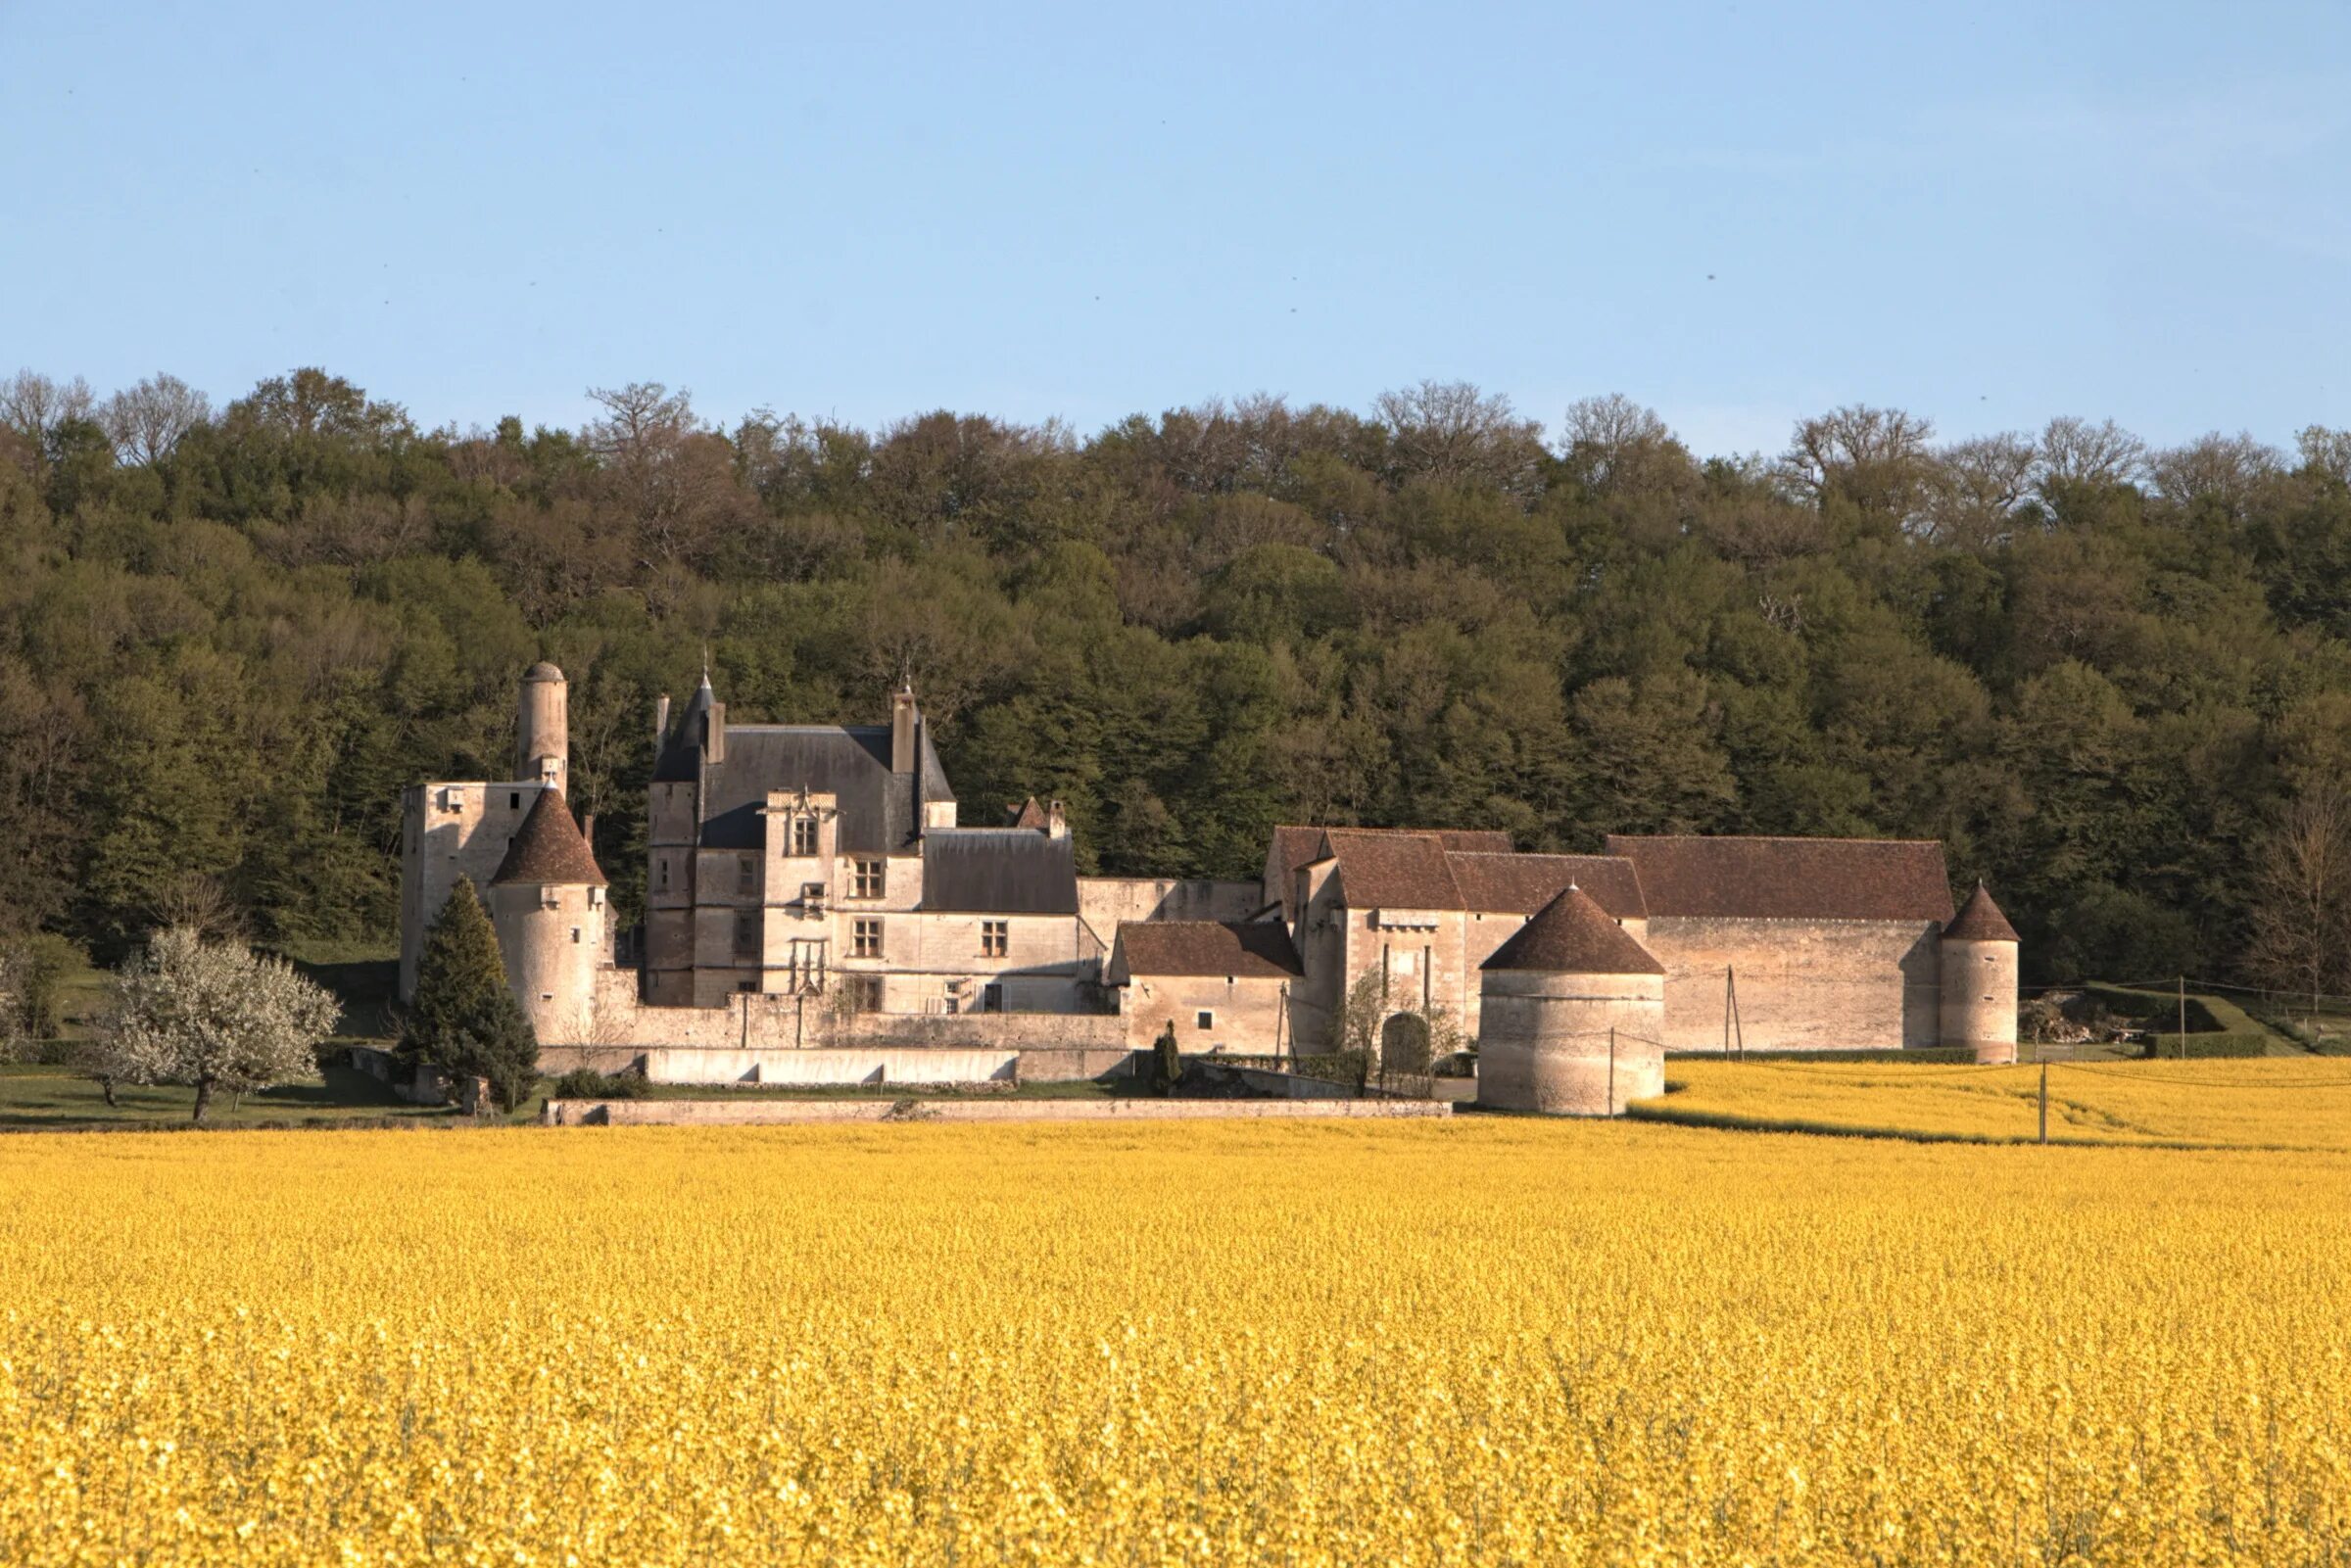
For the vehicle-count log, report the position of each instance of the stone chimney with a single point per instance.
(906, 749)
(714, 735)
(1057, 822)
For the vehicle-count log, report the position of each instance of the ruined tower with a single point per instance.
(1980, 979)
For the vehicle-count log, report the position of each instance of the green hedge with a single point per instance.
(1350, 1067)
(586, 1084)
(2216, 1027)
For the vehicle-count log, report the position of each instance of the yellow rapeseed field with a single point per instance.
(1484, 1341)
(2268, 1103)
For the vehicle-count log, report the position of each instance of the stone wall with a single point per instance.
(1104, 902)
(1804, 985)
(753, 1112)
(1246, 1013)
(449, 830)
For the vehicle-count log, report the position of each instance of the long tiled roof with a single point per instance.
(1520, 885)
(1393, 871)
(1238, 948)
(1573, 935)
(1790, 878)
(549, 848)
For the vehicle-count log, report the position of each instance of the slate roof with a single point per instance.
(998, 870)
(549, 848)
(543, 671)
(1258, 949)
(1521, 885)
(879, 812)
(1573, 935)
(1028, 815)
(1790, 878)
(1980, 920)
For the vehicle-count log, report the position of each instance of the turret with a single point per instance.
(548, 904)
(542, 728)
(1572, 1015)
(1980, 979)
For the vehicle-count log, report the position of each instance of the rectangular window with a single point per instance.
(747, 874)
(991, 999)
(575, 937)
(1205, 1019)
(996, 938)
(865, 940)
(746, 933)
(662, 866)
(862, 992)
(514, 800)
(867, 877)
(812, 893)
(803, 835)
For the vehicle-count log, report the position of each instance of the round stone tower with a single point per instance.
(548, 905)
(1548, 999)
(542, 728)
(1978, 979)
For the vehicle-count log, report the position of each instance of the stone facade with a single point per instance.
(810, 887)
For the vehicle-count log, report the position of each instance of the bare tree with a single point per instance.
(1450, 432)
(148, 421)
(35, 405)
(2075, 452)
(1615, 445)
(2223, 469)
(1975, 487)
(2302, 893)
(1875, 458)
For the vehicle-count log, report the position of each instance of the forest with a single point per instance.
(2115, 679)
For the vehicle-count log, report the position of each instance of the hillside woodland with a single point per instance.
(2116, 680)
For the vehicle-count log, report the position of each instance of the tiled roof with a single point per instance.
(1574, 936)
(998, 870)
(1790, 878)
(1238, 948)
(1392, 869)
(1295, 846)
(549, 848)
(1980, 920)
(1520, 885)
(1028, 815)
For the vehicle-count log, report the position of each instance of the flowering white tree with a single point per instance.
(214, 1015)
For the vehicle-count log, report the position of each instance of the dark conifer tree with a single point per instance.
(465, 1018)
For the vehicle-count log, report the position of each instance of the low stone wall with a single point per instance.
(828, 1066)
(625, 1028)
(782, 1113)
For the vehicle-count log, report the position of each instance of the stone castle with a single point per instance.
(816, 910)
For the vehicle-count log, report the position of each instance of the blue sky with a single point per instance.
(1737, 214)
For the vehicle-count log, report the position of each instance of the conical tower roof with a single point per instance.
(1980, 920)
(550, 850)
(1573, 935)
(681, 758)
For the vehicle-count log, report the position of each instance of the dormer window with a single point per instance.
(803, 836)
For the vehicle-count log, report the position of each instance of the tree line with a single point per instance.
(2115, 679)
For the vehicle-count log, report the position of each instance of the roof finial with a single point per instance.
(706, 666)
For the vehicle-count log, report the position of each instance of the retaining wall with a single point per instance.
(776, 1113)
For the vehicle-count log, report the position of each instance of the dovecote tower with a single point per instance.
(1980, 979)
(1548, 999)
(548, 904)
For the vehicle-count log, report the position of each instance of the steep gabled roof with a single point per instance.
(1295, 845)
(1980, 920)
(849, 761)
(548, 850)
(1258, 949)
(1029, 815)
(998, 870)
(1392, 871)
(1521, 885)
(1573, 935)
(1790, 878)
